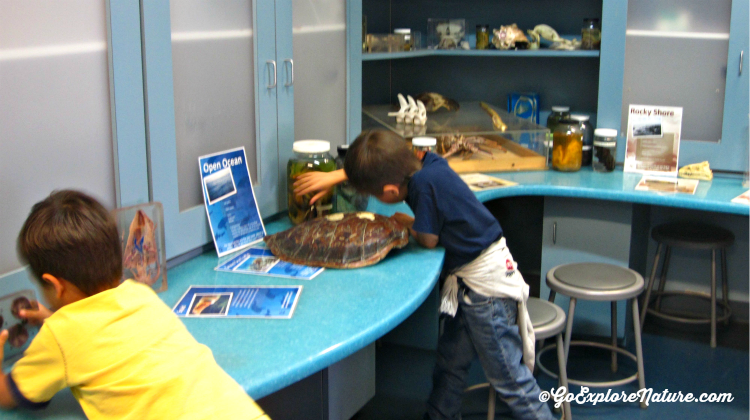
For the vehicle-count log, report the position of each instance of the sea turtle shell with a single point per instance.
(341, 240)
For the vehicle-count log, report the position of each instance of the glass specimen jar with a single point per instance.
(591, 35)
(567, 146)
(309, 155)
(347, 199)
(588, 137)
(483, 37)
(605, 149)
(558, 113)
(422, 145)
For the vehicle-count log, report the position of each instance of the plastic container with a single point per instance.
(346, 198)
(588, 138)
(422, 145)
(605, 149)
(310, 155)
(567, 146)
(591, 35)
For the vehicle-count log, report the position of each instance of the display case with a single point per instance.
(520, 146)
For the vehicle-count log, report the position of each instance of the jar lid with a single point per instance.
(605, 132)
(342, 149)
(402, 31)
(311, 146)
(604, 143)
(579, 117)
(483, 26)
(560, 108)
(424, 141)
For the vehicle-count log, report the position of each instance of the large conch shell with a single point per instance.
(506, 37)
(697, 171)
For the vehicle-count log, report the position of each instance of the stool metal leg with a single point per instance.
(638, 349)
(663, 279)
(552, 295)
(713, 298)
(724, 281)
(491, 406)
(614, 335)
(650, 286)
(561, 361)
(569, 327)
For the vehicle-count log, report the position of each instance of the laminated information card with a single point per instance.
(653, 139)
(239, 301)
(260, 261)
(230, 201)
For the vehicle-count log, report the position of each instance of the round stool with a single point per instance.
(599, 282)
(698, 237)
(548, 320)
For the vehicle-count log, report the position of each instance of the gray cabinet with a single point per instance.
(581, 230)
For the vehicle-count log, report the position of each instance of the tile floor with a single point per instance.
(674, 360)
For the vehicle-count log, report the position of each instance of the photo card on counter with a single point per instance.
(230, 201)
(261, 261)
(238, 301)
(653, 139)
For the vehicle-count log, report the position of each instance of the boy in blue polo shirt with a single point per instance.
(483, 292)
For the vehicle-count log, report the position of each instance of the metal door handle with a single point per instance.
(742, 54)
(291, 62)
(554, 233)
(273, 63)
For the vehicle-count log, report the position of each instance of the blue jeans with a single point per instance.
(484, 327)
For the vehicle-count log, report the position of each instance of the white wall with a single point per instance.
(55, 126)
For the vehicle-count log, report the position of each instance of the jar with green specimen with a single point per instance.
(309, 156)
(347, 199)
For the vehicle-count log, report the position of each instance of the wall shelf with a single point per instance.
(480, 53)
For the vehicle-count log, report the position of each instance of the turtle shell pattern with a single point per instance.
(340, 240)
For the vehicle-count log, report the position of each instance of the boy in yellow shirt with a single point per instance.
(120, 349)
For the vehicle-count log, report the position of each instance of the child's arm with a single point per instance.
(427, 240)
(319, 182)
(6, 398)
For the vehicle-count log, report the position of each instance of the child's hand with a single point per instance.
(35, 316)
(318, 182)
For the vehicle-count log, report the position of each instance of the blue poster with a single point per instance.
(262, 262)
(239, 301)
(230, 201)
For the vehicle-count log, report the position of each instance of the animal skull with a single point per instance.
(450, 34)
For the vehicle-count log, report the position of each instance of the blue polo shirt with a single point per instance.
(444, 205)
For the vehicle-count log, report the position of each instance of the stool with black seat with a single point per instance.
(694, 236)
(548, 320)
(599, 282)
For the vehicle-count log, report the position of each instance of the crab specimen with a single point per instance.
(546, 32)
(434, 101)
(466, 146)
(141, 256)
(508, 37)
(340, 240)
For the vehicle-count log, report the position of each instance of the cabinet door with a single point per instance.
(693, 54)
(312, 93)
(210, 85)
(577, 230)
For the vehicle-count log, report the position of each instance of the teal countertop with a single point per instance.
(342, 311)
(339, 312)
(715, 195)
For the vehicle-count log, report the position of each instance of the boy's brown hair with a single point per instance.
(71, 236)
(378, 158)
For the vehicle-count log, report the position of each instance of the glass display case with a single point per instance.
(510, 144)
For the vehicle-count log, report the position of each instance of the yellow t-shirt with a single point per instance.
(125, 355)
